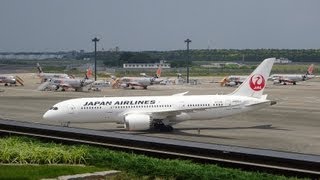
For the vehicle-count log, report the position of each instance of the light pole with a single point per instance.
(188, 58)
(95, 40)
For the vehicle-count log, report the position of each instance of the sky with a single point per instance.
(143, 25)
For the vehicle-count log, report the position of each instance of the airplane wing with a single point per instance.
(180, 94)
(65, 85)
(283, 79)
(287, 80)
(163, 113)
(263, 103)
(133, 84)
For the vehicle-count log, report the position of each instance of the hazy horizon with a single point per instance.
(146, 25)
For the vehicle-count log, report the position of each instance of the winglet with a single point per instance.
(254, 85)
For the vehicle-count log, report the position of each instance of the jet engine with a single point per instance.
(136, 122)
(276, 81)
(232, 83)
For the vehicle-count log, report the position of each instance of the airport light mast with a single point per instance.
(95, 40)
(188, 58)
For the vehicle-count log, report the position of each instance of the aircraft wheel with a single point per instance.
(5, 84)
(163, 128)
(294, 83)
(144, 87)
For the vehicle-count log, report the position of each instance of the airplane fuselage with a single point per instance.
(70, 83)
(291, 78)
(46, 76)
(178, 108)
(7, 79)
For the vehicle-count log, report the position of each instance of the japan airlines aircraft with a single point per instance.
(46, 76)
(10, 80)
(292, 78)
(132, 82)
(159, 112)
(233, 80)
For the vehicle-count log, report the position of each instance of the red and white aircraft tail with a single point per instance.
(89, 73)
(254, 85)
(310, 69)
(158, 72)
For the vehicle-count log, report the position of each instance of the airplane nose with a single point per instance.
(47, 116)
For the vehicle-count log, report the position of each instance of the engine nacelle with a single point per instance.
(124, 85)
(232, 83)
(276, 81)
(137, 122)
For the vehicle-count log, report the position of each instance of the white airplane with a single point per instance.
(45, 76)
(233, 80)
(132, 82)
(100, 84)
(63, 83)
(10, 80)
(159, 112)
(292, 78)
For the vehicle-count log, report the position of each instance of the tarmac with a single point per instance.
(293, 124)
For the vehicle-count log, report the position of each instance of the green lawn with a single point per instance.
(43, 171)
(23, 150)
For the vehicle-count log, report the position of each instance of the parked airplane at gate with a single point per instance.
(10, 80)
(160, 112)
(233, 80)
(45, 76)
(63, 83)
(132, 82)
(292, 78)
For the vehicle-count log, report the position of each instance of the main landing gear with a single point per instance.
(162, 127)
(65, 124)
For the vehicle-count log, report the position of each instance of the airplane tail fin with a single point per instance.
(254, 85)
(89, 73)
(310, 69)
(223, 81)
(39, 68)
(115, 83)
(158, 72)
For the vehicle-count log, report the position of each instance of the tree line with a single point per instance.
(177, 58)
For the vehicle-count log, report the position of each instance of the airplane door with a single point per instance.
(228, 104)
(71, 108)
(108, 115)
(182, 105)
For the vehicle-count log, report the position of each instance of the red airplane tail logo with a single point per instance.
(310, 69)
(89, 72)
(158, 72)
(257, 82)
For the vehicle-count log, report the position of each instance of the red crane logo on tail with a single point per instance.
(257, 82)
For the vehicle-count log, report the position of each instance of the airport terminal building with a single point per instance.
(146, 65)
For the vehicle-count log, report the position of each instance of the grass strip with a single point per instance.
(43, 171)
(27, 150)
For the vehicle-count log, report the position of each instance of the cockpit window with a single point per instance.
(53, 108)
